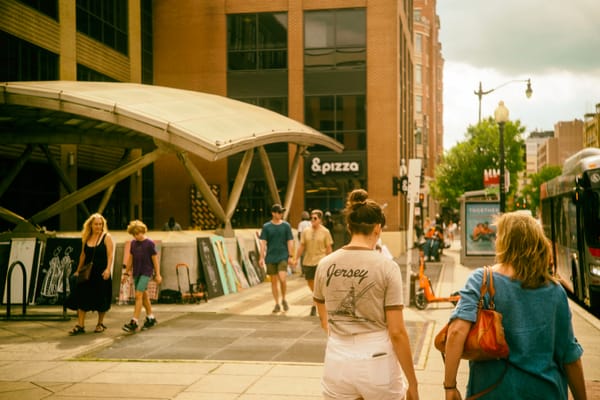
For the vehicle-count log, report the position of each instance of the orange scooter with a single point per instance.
(425, 294)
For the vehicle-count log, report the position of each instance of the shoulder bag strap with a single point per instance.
(96, 245)
(484, 287)
(492, 290)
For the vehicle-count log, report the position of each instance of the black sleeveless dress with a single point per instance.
(95, 294)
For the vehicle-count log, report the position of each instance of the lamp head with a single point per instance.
(501, 113)
(528, 91)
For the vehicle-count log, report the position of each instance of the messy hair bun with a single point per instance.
(362, 213)
(358, 196)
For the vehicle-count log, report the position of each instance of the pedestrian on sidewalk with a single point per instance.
(359, 297)
(315, 243)
(302, 225)
(95, 294)
(545, 356)
(142, 264)
(276, 252)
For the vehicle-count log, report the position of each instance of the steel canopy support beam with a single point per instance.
(269, 176)
(63, 177)
(289, 194)
(203, 187)
(238, 184)
(99, 185)
(16, 168)
(109, 191)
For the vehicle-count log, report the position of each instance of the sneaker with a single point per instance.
(313, 311)
(285, 305)
(149, 323)
(276, 309)
(132, 326)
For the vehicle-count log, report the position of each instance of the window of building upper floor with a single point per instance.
(105, 21)
(418, 43)
(335, 39)
(257, 41)
(47, 7)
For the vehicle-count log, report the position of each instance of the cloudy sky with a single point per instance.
(555, 43)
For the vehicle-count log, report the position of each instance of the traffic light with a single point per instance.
(421, 197)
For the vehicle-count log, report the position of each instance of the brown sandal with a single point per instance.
(77, 330)
(100, 328)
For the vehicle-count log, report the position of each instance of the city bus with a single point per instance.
(570, 205)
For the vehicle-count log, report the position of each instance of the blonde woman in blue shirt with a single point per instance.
(544, 357)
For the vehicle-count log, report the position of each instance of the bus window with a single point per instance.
(591, 210)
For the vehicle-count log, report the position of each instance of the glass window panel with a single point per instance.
(351, 57)
(418, 74)
(272, 59)
(319, 58)
(83, 24)
(326, 103)
(419, 104)
(418, 43)
(351, 28)
(319, 30)
(277, 104)
(121, 44)
(108, 12)
(242, 32)
(360, 111)
(48, 7)
(272, 31)
(241, 60)
(354, 140)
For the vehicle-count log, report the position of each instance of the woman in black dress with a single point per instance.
(96, 293)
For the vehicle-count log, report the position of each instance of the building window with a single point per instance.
(342, 117)
(335, 39)
(147, 43)
(418, 74)
(105, 21)
(418, 43)
(257, 41)
(23, 61)
(47, 7)
(89, 75)
(419, 104)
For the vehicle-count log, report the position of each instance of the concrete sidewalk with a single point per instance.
(39, 361)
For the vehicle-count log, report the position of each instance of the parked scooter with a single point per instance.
(425, 294)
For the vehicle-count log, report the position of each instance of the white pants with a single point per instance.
(362, 366)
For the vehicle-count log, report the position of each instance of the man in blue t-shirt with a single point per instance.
(276, 249)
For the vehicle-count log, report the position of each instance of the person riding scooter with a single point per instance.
(434, 238)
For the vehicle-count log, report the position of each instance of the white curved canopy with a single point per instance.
(210, 126)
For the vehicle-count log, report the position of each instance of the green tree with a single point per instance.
(532, 190)
(462, 167)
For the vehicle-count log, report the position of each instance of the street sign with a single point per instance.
(414, 179)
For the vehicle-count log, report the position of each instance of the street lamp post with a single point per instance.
(480, 93)
(501, 116)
